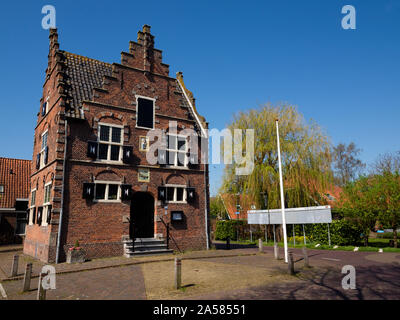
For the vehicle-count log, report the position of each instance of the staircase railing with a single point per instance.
(169, 235)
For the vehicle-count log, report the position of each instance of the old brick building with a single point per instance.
(91, 181)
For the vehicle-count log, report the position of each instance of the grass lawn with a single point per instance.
(373, 246)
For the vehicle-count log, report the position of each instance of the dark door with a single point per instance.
(142, 216)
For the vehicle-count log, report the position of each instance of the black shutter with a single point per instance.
(34, 215)
(193, 160)
(49, 214)
(126, 192)
(162, 193)
(88, 191)
(46, 155)
(39, 215)
(127, 154)
(92, 149)
(190, 194)
(38, 161)
(44, 108)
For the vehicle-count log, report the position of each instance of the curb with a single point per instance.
(20, 277)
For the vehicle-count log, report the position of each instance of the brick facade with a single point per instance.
(81, 94)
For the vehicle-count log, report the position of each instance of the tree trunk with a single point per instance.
(395, 235)
(366, 240)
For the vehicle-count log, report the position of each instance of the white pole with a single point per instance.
(282, 195)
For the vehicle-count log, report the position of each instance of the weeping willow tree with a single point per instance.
(305, 153)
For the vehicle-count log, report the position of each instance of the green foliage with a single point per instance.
(343, 232)
(306, 159)
(227, 228)
(299, 239)
(386, 235)
(217, 208)
(76, 244)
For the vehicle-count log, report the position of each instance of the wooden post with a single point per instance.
(41, 293)
(305, 253)
(276, 251)
(14, 267)
(290, 263)
(27, 277)
(260, 245)
(178, 273)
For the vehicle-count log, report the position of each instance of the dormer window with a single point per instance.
(145, 112)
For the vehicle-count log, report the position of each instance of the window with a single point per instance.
(32, 208)
(110, 142)
(145, 113)
(176, 194)
(177, 150)
(1, 188)
(43, 150)
(46, 204)
(107, 191)
(21, 223)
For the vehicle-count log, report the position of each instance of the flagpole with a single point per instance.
(282, 195)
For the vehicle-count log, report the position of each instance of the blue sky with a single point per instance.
(234, 55)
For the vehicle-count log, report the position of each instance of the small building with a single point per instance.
(14, 191)
(91, 182)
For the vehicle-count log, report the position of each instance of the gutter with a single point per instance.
(62, 193)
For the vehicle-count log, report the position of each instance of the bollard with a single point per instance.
(41, 293)
(305, 253)
(290, 264)
(27, 277)
(276, 251)
(178, 273)
(14, 267)
(260, 245)
(228, 243)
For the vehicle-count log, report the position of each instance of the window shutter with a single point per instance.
(34, 215)
(190, 194)
(127, 154)
(193, 159)
(46, 155)
(162, 193)
(44, 108)
(49, 214)
(126, 192)
(38, 161)
(92, 149)
(39, 215)
(88, 191)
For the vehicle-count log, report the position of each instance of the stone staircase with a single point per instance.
(144, 246)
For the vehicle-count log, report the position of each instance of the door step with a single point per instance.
(145, 246)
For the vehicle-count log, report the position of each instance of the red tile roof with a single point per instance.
(14, 176)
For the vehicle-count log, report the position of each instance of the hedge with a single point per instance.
(227, 228)
(342, 232)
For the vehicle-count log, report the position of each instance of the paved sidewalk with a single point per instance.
(6, 259)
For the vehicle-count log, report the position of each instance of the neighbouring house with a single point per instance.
(91, 181)
(14, 191)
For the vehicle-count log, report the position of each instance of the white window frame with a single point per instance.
(175, 186)
(110, 143)
(177, 151)
(43, 149)
(47, 104)
(31, 208)
(46, 204)
(154, 111)
(107, 183)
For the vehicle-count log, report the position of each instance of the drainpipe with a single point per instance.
(205, 200)
(62, 194)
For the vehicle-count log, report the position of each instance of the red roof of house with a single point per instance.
(230, 202)
(14, 176)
